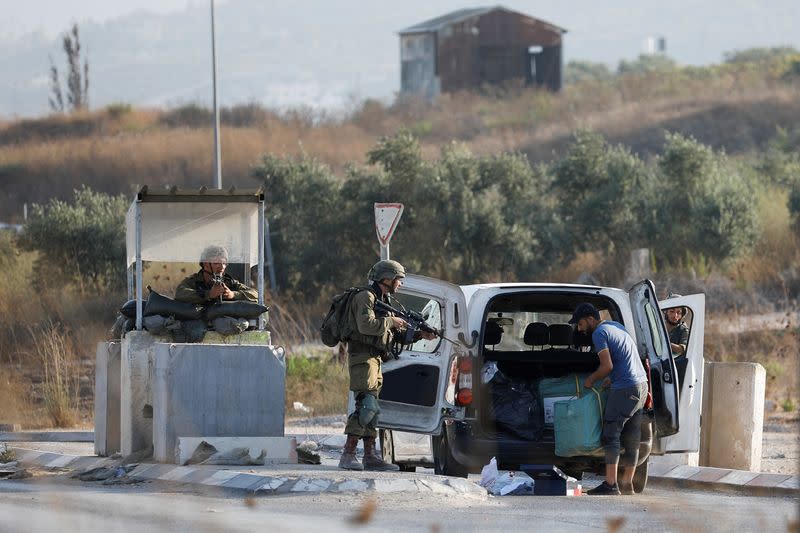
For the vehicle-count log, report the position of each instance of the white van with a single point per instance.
(435, 387)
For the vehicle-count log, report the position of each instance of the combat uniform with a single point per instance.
(680, 335)
(369, 337)
(367, 346)
(194, 289)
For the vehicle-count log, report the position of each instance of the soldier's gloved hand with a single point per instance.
(215, 291)
(398, 323)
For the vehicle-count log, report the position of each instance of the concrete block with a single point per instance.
(107, 398)
(273, 484)
(136, 394)
(311, 485)
(212, 390)
(733, 418)
(352, 485)
(395, 485)
(220, 476)
(276, 450)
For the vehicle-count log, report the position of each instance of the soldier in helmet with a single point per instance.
(211, 283)
(676, 327)
(367, 348)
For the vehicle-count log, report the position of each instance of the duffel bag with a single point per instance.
(578, 424)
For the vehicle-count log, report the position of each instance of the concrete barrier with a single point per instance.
(733, 416)
(106, 398)
(136, 396)
(212, 390)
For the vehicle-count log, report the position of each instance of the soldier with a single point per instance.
(677, 328)
(201, 287)
(368, 346)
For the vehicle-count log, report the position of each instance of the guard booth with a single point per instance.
(150, 391)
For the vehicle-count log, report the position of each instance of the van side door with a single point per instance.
(690, 366)
(417, 392)
(653, 344)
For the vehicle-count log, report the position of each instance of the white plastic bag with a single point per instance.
(505, 483)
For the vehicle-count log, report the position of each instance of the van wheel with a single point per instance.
(387, 450)
(443, 462)
(640, 477)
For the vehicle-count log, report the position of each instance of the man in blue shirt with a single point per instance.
(621, 366)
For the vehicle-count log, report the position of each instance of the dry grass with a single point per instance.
(315, 378)
(778, 351)
(56, 354)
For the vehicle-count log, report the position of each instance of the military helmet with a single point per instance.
(386, 269)
(683, 308)
(212, 252)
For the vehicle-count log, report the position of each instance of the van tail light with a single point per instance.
(464, 382)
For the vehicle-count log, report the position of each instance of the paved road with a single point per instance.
(54, 502)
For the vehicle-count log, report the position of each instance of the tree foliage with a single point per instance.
(81, 242)
(705, 205)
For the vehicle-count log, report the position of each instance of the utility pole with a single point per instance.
(217, 153)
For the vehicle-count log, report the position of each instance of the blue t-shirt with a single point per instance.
(628, 369)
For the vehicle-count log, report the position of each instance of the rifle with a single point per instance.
(416, 322)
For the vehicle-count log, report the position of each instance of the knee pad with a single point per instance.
(368, 409)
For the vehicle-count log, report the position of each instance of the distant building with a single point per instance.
(467, 48)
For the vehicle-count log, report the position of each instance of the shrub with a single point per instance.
(711, 203)
(118, 109)
(82, 242)
(189, 116)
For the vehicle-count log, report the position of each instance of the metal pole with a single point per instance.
(384, 251)
(217, 153)
(138, 266)
(260, 282)
(270, 260)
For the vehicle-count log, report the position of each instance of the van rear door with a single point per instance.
(690, 373)
(653, 343)
(418, 390)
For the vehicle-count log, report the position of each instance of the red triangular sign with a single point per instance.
(386, 218)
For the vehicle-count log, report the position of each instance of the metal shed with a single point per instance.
(470, 47)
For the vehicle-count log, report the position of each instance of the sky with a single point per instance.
(52, 16)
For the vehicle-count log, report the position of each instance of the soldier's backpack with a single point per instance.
(336, 326)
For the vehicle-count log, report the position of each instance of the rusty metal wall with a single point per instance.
(494, 48)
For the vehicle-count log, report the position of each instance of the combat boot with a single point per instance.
(373, 461)
(349, 461)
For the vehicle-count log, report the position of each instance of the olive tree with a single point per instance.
(81, 242)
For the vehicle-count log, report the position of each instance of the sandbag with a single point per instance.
(158, 304)
(228, 325)
(236, 309)
(578, 424)
(128, 309)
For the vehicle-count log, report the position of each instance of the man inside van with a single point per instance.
(622, 368)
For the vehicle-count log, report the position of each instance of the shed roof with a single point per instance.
(438, 23)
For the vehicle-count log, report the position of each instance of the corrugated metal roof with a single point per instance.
(436, 24)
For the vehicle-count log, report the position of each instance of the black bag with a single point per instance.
(237, 309)
(158, 304)
(128, 309)
(335, 327)
(515, 408)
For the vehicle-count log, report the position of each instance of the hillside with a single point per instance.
(735, 107)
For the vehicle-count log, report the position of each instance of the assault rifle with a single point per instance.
(416, 322)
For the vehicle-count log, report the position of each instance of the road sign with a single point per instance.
(386, 218)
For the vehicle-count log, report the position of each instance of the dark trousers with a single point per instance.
(622, 424)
